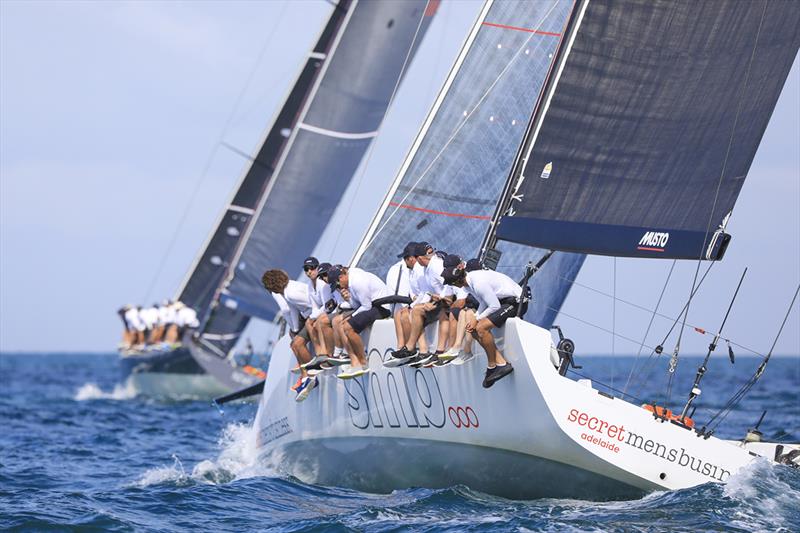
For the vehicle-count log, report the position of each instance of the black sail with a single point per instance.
(652, 127)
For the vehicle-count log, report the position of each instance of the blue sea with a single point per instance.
(79, 451)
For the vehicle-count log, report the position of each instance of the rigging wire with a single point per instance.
(744, 389)
(460, 126)
(204, 173)
(650, 324)
(674, 359)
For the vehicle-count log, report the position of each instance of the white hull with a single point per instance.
(437, 427)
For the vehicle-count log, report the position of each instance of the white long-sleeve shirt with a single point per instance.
(398, 280)
(364, 287)
(319, 295)
(297, 300)
(433, 274)
(489, 287)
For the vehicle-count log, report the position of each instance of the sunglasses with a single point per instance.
(309, 268)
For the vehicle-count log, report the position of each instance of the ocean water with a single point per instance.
(80, 451)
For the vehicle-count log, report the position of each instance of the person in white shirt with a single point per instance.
(498, 299)
(325, 312)
(149, 316)
(315, 292)
(429, 306)
(361, 288)
(399, 279)
(462, 310)
(298, 302)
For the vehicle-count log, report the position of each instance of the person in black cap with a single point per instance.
(323, 315)
(498, 299)
(398, 279)
(463, 309)
(363, 289)
(316, 287)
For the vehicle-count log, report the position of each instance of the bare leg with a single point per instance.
(357, 354)
(483, 332)
(326, 334)
(398, 327)
(453, 329)
(417, 327)
(444, 328)
(315, 338)
(301, 353)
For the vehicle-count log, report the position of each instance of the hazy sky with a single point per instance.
(112, 172)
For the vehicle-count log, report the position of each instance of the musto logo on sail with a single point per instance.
(653, 241)
(614, 437)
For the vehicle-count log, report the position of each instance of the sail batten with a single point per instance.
(653, 126)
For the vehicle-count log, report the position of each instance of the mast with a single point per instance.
(517, 174)
(207, 271)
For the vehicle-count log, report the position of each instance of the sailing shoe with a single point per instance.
(338, 360)
(297, 384)
(349, 372)
(305, 389)
(315, 371)
(316, 360)
(421, 359)
(432, 361)
(463, 358)
(399, 357)
(496, 373)
(360, 371)
(296, 369)
(449, 355)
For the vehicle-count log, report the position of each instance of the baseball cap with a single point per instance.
(451, 261)
(421, 249)
(409, 250)
(312, 262)
(333, 275)
(473, 264)
(451, 275)
(324, 268)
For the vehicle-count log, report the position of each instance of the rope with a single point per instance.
(458, 129)
(204, 173)
(744, 389)
(719, 186)
(650, 324)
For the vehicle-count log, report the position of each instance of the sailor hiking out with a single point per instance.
(498, 298)
(295, 302)
(401, 278)
(362, 289)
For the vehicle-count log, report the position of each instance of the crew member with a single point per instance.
(463, 309)
(361, 288)
(429, 306)
(498, 298)
(399, 278)
(298, 302)
(315, 288)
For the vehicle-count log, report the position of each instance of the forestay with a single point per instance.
(652, 128)
(335, 127)
(453, 177)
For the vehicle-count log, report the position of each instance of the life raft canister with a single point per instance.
(667, 414)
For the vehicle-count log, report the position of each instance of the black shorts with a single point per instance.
(433, 315)
(471, 303)
(508, 309)
(303, 332)
(362, 321)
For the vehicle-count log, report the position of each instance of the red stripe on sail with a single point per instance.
(434, 212)
(646, 249)
(516, 28)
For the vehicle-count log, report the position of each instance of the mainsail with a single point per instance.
(646, 140)
(305, 163)
(453, 177)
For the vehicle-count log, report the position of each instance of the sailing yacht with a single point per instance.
(565, 128)
(289, 193)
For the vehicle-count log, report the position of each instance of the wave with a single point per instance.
(91, 391)
(237, 460)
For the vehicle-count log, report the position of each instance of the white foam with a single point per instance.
(766, 502)
(237, 460)
(163, 474)
(90, 391)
